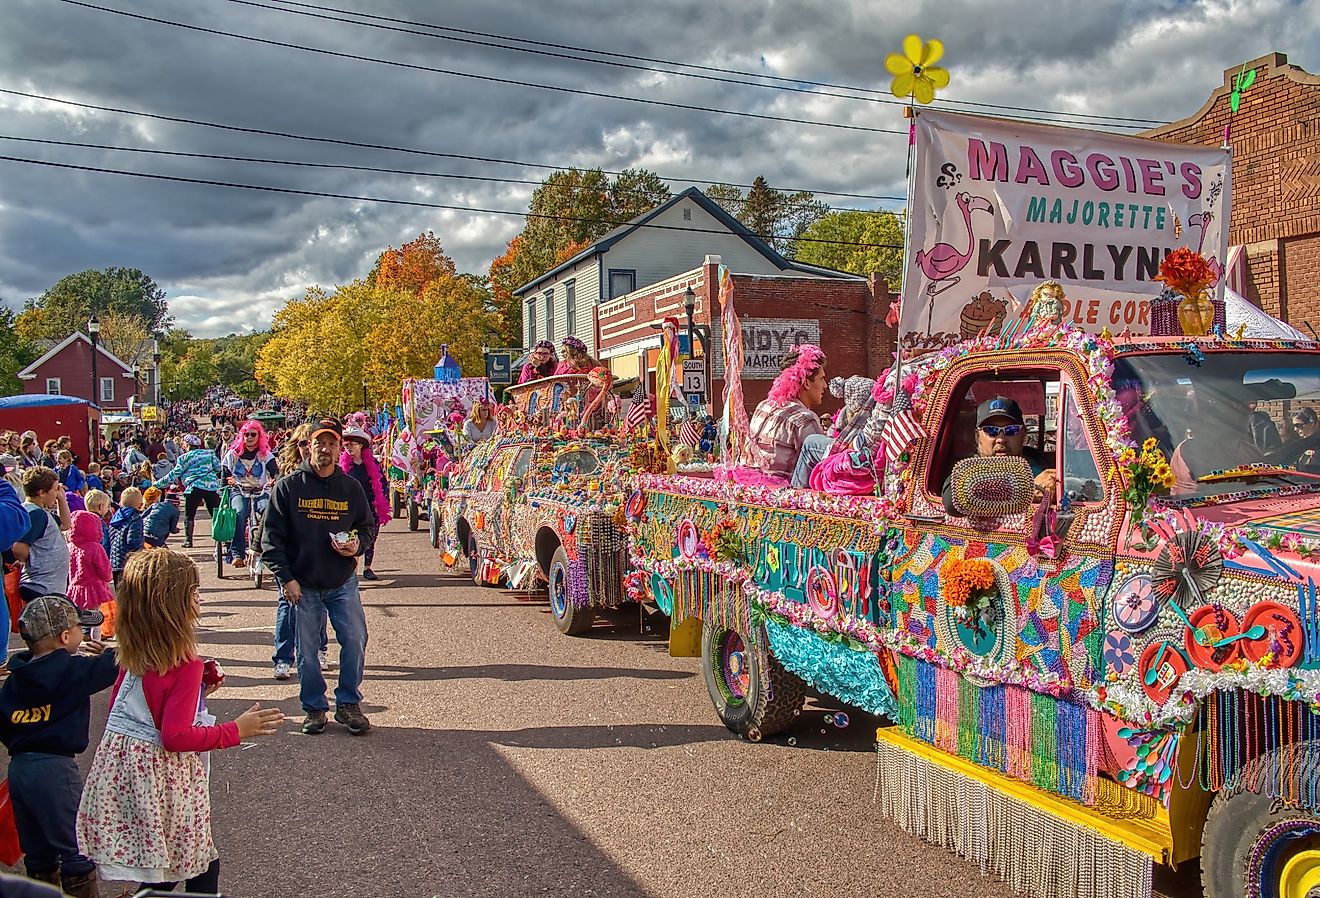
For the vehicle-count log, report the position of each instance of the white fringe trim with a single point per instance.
(1036, 853)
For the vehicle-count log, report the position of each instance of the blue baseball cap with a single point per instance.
(998, 407)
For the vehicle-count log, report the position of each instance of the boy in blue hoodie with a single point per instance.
(126, 531)
(45, 713)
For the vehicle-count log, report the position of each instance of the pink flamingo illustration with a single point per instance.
(942, 262)
(1202, 220)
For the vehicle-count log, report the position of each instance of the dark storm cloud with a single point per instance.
(228, 258)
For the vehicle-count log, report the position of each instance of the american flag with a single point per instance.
(902, 427)
(689, 434)
(640, 410)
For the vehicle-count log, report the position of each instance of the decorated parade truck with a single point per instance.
(1130, 674)
(540, 504)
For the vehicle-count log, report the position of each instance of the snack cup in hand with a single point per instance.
(343, 538)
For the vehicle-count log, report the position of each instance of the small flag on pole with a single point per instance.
(690, 434)
(638, 413)
(902, 428)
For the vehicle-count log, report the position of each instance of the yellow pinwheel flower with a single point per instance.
(914, 70)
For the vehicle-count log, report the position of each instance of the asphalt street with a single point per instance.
(506, 759)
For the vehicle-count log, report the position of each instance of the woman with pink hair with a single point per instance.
(783, 421)
(249, 466)
(358, 462)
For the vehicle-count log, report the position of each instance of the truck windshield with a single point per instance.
(1223, 411)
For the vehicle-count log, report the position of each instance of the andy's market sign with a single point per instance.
(765, 343)
(999, 206)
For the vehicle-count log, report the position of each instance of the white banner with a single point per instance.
(765, 343)
(999, 206)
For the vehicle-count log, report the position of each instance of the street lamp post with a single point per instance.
(137, 372)
(155, 371)
(93, 331)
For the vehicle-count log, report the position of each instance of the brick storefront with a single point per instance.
(1276, 181)
(850, 314)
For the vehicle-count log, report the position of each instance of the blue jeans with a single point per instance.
(343, 606)
(286, 632)
(814, 450)
(45, 791)
(243, 510)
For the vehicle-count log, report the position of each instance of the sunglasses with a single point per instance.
(1008, 430)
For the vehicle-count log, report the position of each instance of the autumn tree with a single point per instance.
(776, 216)
(125, 336)
(502, 280)
(860, 242)
(16, 353)
(67, 305)
(412, 266)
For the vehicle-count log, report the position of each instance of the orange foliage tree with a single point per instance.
(413, 266)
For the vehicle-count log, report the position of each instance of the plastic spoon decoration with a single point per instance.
(1255, 632)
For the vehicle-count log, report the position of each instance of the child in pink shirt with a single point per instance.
(89, 565)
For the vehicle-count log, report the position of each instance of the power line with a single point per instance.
(297, 163)
(486, 39)
(396, 149)
(412, 66)
(207, 182)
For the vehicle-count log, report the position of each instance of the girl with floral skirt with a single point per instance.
(146, 808)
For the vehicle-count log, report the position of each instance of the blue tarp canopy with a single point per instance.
(36, 400)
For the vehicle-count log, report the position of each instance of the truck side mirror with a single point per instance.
(993, 487)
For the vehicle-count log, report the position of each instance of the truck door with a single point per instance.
(1043, 613)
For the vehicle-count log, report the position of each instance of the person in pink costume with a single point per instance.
(89, 565)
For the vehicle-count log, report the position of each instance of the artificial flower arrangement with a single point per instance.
(725, 540)
(968, 586)
(1146, 474)
(1186, 271)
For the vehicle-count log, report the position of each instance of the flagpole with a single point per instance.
(910, 113)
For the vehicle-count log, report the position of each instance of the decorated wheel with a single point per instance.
(1283, 637)
(752, 692)
(1256, 847)
(1217, 623)
(822, 593)
(1162, 664)
(1135, 604)
(569, 619)
(688, 537)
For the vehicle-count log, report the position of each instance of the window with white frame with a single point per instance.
(107, 389)
(52, 386)
(531, 323)
(570, 306)
(550, 315)
(622, 280)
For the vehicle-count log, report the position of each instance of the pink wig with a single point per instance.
(792, 379)
(263, 439)
(378, 500)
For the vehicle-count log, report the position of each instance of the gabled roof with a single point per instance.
(716, 211)
(31, 370)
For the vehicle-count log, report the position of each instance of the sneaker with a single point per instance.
(187, 544)
(283, 670)
(238, 562)
(369, 574)
(314, 723)
(323, 656)
(352, 717)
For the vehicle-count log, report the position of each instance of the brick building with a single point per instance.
(66, 370)
(846, 317)
(1275, 137)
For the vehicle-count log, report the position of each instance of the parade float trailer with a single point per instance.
(1076, 691)
(430, 418)
(541, 503)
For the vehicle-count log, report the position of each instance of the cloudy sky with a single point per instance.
(228, 257)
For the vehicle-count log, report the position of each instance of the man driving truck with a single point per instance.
(1000, 430)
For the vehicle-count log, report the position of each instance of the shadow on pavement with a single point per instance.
(517, 673)
(446, 814)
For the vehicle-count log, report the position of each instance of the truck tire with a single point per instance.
(414, 515)
(1251, 844)
(732, 665)
(570, 620)
(433, 528)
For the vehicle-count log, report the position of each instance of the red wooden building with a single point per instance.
(66, 370)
